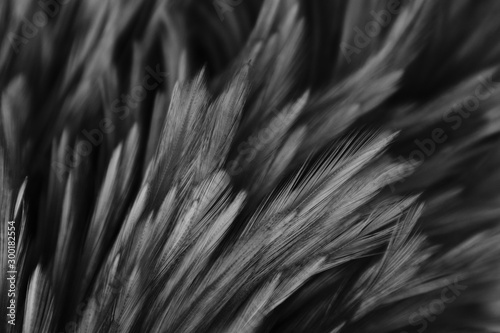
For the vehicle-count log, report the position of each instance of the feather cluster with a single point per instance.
(250, 166)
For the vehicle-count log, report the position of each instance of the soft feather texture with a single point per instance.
(230, 166)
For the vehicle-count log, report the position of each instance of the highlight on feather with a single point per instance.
(249, 166)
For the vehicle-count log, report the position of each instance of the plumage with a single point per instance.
(250, 166)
